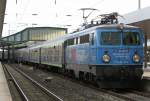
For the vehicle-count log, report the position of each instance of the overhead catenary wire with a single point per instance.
(76, 12)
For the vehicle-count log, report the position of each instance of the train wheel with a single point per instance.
(71, 74)
(87, 77)
(81, 75)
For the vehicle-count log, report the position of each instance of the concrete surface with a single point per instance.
(4, 90)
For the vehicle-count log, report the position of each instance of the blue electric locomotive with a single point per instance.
(107, 52)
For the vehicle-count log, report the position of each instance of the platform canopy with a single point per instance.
(140, 18)
(2, 14)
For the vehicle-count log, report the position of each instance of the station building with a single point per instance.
(36, 34)
(28, 37)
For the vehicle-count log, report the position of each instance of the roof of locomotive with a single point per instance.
(104, 26)
(111, 26)
(116, 26)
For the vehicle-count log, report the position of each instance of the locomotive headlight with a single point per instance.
(136, 58)
(106, 58)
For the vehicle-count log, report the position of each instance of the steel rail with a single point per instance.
(117, 95)
(141, 93)
(40, 86)
(102, 90)
(24, 97)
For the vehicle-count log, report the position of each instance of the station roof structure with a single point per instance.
(32, 35)
(2, 14)
(140, 18)
(136, 16)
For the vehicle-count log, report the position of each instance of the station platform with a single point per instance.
(4, 90)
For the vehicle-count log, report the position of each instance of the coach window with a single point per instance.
(84, 39)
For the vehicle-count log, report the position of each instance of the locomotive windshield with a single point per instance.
(131, 38)
(116, 38)
(110, 38)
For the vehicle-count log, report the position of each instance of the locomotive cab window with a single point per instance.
(131, 38)
(110, 38)
(84, 39)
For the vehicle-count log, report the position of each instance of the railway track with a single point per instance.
(99, 95)
(125, 94)
(145, 94)
(29, 89)
(128, 94)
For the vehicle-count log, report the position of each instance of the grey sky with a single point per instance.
(50, 13)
